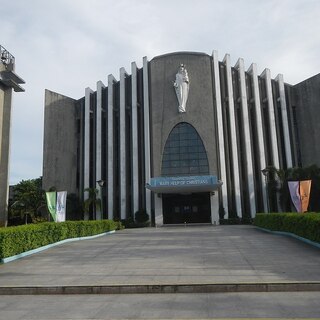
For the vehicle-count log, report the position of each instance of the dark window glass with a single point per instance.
(184, 152)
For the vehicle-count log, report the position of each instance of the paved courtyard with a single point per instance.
(168, 255)
(171, 255)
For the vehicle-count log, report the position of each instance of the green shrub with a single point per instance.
(15, 240)
(306, 225)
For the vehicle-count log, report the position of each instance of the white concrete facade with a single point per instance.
(234, 137)
(110, 156)
(99, 134)
(247, 136)
(222, 154)
(86, 175)
(262, 156)
(272, 121)
(134, 140)
(236, 122)
(283, 106)
(146, 119)
(123, 150)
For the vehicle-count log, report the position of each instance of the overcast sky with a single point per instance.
(68, 45)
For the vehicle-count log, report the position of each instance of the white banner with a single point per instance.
(61, 206)
(294, 188)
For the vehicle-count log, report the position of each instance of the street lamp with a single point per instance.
(265, 172)
(101, 185)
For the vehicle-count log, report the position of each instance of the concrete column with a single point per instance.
(86, 175)
(222, 155)
(110, 180)
(234, 144)
(100, 86)
(247, 136)
(214, 203)
(123, 151)
(5, 124)
(134, 126)
(158, 210)
(262, 155)
(285, 123)
(147, 153)
(272, 122)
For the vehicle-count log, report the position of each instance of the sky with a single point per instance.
(68, 45)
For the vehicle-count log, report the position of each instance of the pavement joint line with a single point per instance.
(161, 288)
(284, 233)
(51, 245)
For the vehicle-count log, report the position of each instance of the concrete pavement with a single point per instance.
(171, 256)
(272, 305)
(166, 256)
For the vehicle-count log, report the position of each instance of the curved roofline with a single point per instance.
(179, 53)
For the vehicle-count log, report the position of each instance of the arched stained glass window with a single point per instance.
(184, 153)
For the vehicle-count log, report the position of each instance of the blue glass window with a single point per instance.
(184, 153)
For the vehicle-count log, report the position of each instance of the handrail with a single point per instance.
(6, 57)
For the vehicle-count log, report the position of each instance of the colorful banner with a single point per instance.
(61, 206)
(300, 194)
(51, 203)
(305, 187)
(295, 194)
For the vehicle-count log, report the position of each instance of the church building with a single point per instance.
(184, 138)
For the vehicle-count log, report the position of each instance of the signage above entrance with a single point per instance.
(184, 184)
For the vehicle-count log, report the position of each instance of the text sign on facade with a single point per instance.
(183, 181)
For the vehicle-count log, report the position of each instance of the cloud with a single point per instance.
(68, 45)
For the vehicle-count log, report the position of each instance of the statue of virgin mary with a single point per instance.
(181, 86)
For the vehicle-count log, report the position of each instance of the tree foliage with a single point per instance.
(28, 196)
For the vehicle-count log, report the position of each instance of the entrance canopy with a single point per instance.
(184, 184)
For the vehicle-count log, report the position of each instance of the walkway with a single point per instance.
(199, 255)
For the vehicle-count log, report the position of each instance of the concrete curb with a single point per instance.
(163, 288)
(283, 233)
(30, 252)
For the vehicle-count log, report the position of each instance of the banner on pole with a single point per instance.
(305, 187)
(61, 206)
(300, 194)
(51, 203)
(295, 194)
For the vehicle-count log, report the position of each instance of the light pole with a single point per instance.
(101, 184)
(265, 172)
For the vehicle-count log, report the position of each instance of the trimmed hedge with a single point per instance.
(306, 225)
(15, 240)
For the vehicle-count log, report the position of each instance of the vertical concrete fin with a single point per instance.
(234, 142)
(86, 176)
(110, 139)
(272, 121)
(247, 136)
(221, 151)
(123, 164)
(258, 112)
(285, 123)
(147, 132)
(134, 126)
(100, 87)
